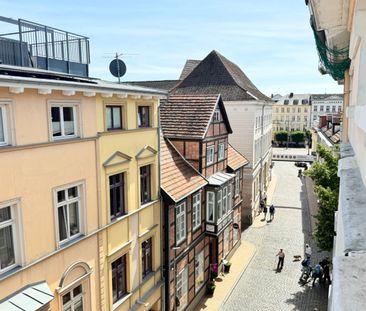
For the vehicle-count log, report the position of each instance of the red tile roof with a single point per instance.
(178, 177)
(235, 159)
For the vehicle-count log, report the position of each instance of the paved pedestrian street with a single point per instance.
(260, 287)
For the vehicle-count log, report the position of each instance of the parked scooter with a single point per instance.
(306, 271)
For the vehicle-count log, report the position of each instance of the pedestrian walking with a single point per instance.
(265, 198)
(261, 206)
(281, 259)
(325, 264)
(307, 251)
(265, 210)
(271, 212)
(317, 273)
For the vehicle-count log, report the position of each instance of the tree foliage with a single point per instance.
(297, 137)
(324, 174)
(280, 136)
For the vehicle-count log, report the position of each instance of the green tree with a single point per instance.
(281, 136)
(324, 174)
(297, 137)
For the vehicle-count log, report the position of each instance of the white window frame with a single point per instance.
(210, 196)
(210, 154)
(199, 270)
(16, 223)
(216, 117)
(224, 201)
(229, 198)
(219, 204)
(77, 118)
(180, 222)
(182, 285)
(4, 117)
(196, 210)
(81, 210)
(221, 152)
(73, 299)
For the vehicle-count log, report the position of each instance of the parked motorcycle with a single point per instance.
(306, 271)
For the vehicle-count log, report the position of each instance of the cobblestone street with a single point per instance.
(260, 287)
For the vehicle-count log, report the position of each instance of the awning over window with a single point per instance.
(220, 178)
(30, 298)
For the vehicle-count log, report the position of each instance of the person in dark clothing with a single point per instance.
(317, 273)
(325, 264)
(281, 259)
(265, 212)
(271, 212)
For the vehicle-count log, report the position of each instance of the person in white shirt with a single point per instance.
(307, 251)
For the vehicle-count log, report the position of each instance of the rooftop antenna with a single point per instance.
(117, 67)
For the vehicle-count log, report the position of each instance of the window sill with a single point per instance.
(194, 230)
(9, 271)
(121, 301)
(177, 243)
(64, 137)
(148, 276)
(148, 203)
(71, 241)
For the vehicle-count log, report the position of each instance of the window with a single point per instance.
(116, 195)
(339, 108)
(210, 155)
(321, 108)
(305, 109)
(199, 270)
(298, 118)
(333, 108)
(305, 118)
(145, 184)
(286, 102)
(304, 101)
(182, 288)
(143, 116)
(296, 102)
(221, 154)
(216, 117)
(63, 121)
(68, 211)
(196, 211)
(237, 183)
(315, 108)
(119, 276)
(293, 109)
(180, 222)
(219, 204)
(327, 109)
(229, 198)
(224, 200)
(114, 117)
(73, 300)
(3, 126)
(288, 109)
(146, 248)
(293, 118)
(210, 206)
(7, 238)
(226, 241)
(299, 109)
(282, 109)
(277, 110)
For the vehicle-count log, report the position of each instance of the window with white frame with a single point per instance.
(237, 183)
(229, 198)
(182, 288)
(221, 152)
(196, 211)
(216, 117)
(210, 155)
(219, 204)
(4, 139)
(199, 270)
(210, 206)
(180, 222)
(63, 117)
(315, 108)
(8, 238)
(73, 300)
(224, 200)
(69, 213)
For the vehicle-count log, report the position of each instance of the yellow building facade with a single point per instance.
(72, 235)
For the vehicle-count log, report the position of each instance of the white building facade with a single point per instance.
(325, 104)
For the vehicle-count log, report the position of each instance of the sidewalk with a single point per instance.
(225, 284)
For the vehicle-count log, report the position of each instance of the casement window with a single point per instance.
(69, 213)
(339, 108)
(327, 108)
(143, 116)
(315, 108)
(210, 206)
(114, 117)
(199, 270)
(182, 288)
(180, 222)
(145, 184)
(333, 108)
(119, 278)
(237, 183)
(219, 204)
(8, 238)
(296, 101)
(305, 118)
(116, 195)
(210, 155)
(63, 119)
(216, 116)
(321, 108)
(226, 241)
(229, 198)
(73, 300)
(286, 102)
(298, 118)
(221, 154)
(293, 109)
(196, 211)
(224, 200)
(146, 249)
(288, 109)
(304, 101)
(4, 139)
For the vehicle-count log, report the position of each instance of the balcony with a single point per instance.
(28, 44)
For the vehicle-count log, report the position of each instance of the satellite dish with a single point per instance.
(117, 68)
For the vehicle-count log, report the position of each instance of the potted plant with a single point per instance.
(227, 266)
(210, 287)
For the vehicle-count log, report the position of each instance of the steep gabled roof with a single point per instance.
(188, 67)
(188, 116)
(235, 159)
(178, 178)
(216, 74)
(166, 85)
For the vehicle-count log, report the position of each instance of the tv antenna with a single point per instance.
(117, 67)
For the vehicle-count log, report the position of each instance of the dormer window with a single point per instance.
(216, 117)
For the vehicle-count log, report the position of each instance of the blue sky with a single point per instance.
(270, 40)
